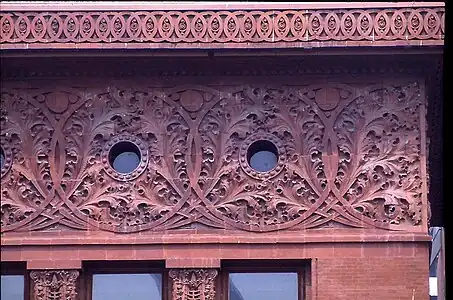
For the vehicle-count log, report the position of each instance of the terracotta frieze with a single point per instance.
(347, 156)
(223, 29)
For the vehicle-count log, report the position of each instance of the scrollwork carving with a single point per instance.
(112, 200)
(346, 156)
(26, 134)
(379, 145)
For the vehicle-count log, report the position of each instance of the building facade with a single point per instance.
(220, 151)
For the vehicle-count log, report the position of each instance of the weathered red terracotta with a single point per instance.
(349, 194)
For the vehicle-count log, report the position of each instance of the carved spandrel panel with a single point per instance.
(346, 156)
(54, 284)
(193, 284)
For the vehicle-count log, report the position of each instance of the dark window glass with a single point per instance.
(262, 156)
(2, 158)
(12, 287)
(127, 286)
(263, 286)
(433, 267)
(124, 157)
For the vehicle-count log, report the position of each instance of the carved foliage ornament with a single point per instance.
(54, 285)
(193, 284)
(223, 26)
(346, 156)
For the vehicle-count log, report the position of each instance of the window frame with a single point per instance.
(300, 267)
(121, 267)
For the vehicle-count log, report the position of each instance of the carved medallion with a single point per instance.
(142, 162)
(57, 102)
(191, 100)
(327, 98)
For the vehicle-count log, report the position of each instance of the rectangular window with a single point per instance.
(127, 286)
(12, 287)
(119, 280)
(264, 286)
(14, 281)
(236, 280)
(264, 280)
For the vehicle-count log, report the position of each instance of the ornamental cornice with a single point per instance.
(247, 25)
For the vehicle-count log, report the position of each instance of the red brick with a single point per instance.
(394, 278)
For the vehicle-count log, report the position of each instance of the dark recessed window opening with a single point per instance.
(124, 157)
(2, 158)
(262, 156)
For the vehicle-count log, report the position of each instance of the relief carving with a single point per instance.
(163, 29)
(54, 285)
(26, 140)
(379, 148)
(345, 156)
(193, 284)
(153, 191)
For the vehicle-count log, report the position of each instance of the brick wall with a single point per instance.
(391, 276)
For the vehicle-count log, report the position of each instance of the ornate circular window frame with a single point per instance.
(281, 157)
(141, 146)
(8, 162)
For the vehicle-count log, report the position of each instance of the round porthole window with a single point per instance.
(262, 156)
(125, 157)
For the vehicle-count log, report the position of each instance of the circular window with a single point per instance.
(2, 158)
(262, 156)
(124, 157)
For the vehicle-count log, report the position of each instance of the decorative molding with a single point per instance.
(20, 6)
(139, 71)
(351, 156)
(54, 284)
(223, 29)
(193, 284)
